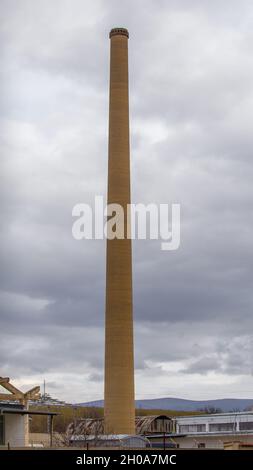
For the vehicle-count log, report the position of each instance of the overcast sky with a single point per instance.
(191, 99)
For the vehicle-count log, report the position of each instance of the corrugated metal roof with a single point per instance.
(108, 437)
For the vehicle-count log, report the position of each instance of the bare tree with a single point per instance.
(210, 410)
(82, 432)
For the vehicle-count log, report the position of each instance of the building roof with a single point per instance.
(143, 423)
(107, 437)
(46, 400)
(210, 415)
(11, 405)
(89, 426)
(22, 411)
(165, 435)
(213, 434)
(86, 426)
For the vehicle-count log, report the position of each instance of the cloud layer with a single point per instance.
(191, 102)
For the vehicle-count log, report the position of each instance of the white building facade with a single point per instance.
(14, 428)
(213, 430)
(14, 425)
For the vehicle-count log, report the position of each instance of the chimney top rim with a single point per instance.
(119, 32)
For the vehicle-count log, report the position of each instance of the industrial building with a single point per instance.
(144, 425)
(228, 431)
(125, 441)
(150, 424)
(210, 431)
(214, 431)
(15, 413)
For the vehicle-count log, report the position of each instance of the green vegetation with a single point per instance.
(67, 414)
(142, 412)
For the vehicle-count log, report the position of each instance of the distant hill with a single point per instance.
(179, 404)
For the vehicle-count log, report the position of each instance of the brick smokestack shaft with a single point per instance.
(119, 411)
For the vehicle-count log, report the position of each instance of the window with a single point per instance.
(2, 440)
(185, 428)
(246, 426)
(219, 427)
(201, 445)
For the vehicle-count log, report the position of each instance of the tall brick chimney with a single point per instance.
(119, 408)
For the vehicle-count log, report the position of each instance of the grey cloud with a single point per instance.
(191, 107)
(203, 366)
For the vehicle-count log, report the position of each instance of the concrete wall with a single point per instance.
(16, 430)
(41, 438)
(211, 442)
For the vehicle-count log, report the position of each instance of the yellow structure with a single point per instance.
(119, 362)
(14, 394)
(14, 414)
(238, 445)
